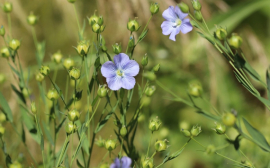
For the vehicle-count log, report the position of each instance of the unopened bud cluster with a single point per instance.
(154, 124)
(32, 19)
(57, 57)
(195, 89)
(83, 48)
(117, 48)
(161, 145)
(110, 145)
(154, 8)
(194, 132)
(96, 23)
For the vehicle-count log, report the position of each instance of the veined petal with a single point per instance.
(126, 162)
(179, 13)
(174, 33)
(114, 83)
(169, 14)
(167, 27)
(131, 68)
(128, 82)
(108, 69)
(186, 26)
(120, 60)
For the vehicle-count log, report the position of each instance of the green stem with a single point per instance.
(39, 132)
(205, 23)
(77, 19)
(198, 142)
(9, 24)
(55, 74)
(62, 151)
(149, 144)
(34, 37)
(147, 23)
(153, 154)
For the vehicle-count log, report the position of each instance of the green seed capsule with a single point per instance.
(161, 146)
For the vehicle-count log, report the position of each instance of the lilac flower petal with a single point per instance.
(114, 83)
(174, 33)
(131, 68)
(167, 27)
(169, 14)
(126, 162)
(120, 60)
(186, 26)
(128, 82)
(179, 13)
(108, 69)
(116, 163)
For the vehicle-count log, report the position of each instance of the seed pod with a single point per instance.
(148, 163)
(110, 145)
(75, 73)
(196, 5)
(144, 60)
(235, 41)
(68, 63)
(133, 25)
(184, 7)
(14, 44)
(220, 129)
(2, 31)
(123, 131)
(57, 57)
(7, 7)
(150, 90)
(196, 130)
(221, 33)
(102, 91)
(32, 19)
(228, 119)
(154, 124)
(154, 8)
(117, 48)
(73, 115)
(186, 132)
(83, 48)
(161, 146)
(70, 127)
(44, 70)
(5, 52)
(33, 108)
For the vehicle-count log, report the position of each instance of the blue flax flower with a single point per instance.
(125, 162)
(120, 74)
(175, 22)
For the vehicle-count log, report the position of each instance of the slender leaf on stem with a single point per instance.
(6, 108)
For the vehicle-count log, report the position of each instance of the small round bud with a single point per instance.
(221, 33)
(196, 5)
(5, 52)
(52, 94)
(150, 90)
(184, 7)
(148, 163)
(44, 70)
(3, 117)
(32, 19)
(14, 44)
(154, 124)
(110, 145)
(150, 75)
(39, 77)
(70, 127)
(154, 8)
(7, 7)
(161, 146)
(96, 28)
(2, 130)
(2, 31)
(195, 89)
(103, 42)
(100, 20)
(102, 91)
(156, 68)
(57, 57)
(198, 15)
(196, 130)
(117, 48)
(33, 108)
(68, 63)
(235, 41)
(102, 28)
(144, 60)
(75, 73)
(131, 42)
(93, 19)
(73, 115)
(123, 131)
(83, 48)
(100, 142)
(26, 92)
(2, 78)
(133, 25)
(220, 129)
(186, 132)
(210, 149)
(228, 119)
(104, 165)
(71, 1)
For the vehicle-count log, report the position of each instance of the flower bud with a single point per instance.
(102, 91)
(33, 108)
(198, 15)
(2, 130)
(52, 95)
(68, 63)
(110, 145)
(133, 25)
(70, 127)
(123, 131)
(100, 20)
(57, 57)
(144, 60)
(93, 19)
(83, 48)
(196, 130)
(228, 119)
(150, 90)
(73, 115)
(26, 92)
(220, 129)
(44, 70)
(39, 77)
(154, 8)
(2, 31)
(195, 89)
(186, 132)
(7, 7)
(14, 44)
(196, 5)
(210, 149)
(161, 146)
(3, 117)
(131, 42)
(148, 163)
(32, 19)
(102, 28)
(104, 165)
(221, 33)
(150, 75)
(117, 48)
(75, 73)
(235, 41)
(100, 142)
(5, 52)
(71, 1)
(96, 28)
(184, 7)
(154, 124)
(156, 68)
(2, 78)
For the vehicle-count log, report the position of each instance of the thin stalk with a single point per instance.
(9, 24)
(147, 23)
(34, 37)
(62, 151)
(39, 132)
(77, 19)
(205, 23)
(153, 154)
(55, 74)
(149, 144)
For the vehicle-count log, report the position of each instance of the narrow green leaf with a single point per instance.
(268, 83)
(23, 134)
(6, 107)
(47, 133)
(18, 93)
(79, 164)
(8, 160)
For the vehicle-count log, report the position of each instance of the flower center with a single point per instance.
(177, 22)
(120, 72)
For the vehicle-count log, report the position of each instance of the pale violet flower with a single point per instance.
(120, 74)
(124, 162)
(175, 22)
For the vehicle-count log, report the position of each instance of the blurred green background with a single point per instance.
(189, 58)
